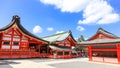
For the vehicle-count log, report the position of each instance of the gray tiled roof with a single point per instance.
(57, 37)
(97, 41)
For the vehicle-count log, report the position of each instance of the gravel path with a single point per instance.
(54, 63)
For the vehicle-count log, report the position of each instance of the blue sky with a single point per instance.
(47, 17)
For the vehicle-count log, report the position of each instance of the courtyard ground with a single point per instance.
(54, 63)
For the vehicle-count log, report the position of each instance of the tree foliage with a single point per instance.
(81, 38)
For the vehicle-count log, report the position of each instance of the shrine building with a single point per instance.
(17, 42)
(103, 46)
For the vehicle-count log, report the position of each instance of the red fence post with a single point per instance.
(118, 53)
(11, 54)
(90, 52)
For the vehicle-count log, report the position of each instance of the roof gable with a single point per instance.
(103, 34)
(16, 22)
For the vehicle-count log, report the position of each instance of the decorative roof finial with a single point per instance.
(16, 18)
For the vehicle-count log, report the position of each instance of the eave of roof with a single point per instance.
(54, 47)
(100, 41)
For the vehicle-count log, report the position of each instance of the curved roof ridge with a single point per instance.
(16, 19)
(105, 32)
(101, 29)
(57, 37)
(57, 34)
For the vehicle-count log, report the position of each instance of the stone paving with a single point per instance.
(54, 63)
(6, 63)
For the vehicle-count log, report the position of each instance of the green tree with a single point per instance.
(81, 38)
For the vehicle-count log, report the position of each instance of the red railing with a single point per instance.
(105, 59)
(22, 53)
(43, 55)
(27, 53)
(62, 56)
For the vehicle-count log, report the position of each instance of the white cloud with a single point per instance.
(99, 12)
(59, 32)
(94, 11)
(37, 29)
(50, 29)
(80, 28)
(67, 5)
(110, 18)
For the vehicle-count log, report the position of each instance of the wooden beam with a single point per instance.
(104, 44)
(34, 42)
(104, 49)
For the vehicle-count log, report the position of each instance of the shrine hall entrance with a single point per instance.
(34, 47)
(44, 50)
(41, 50)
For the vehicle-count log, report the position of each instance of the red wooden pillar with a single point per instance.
(1, 44)
(90, 52)
(47, 50)
(56, 54)
(20, 42)
(70, 54)
(118, 53)
(63, 54)
(12, 38)
(39, 49)
(64, 43)
(11, 42)
(1, 41)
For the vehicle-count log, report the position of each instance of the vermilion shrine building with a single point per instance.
(103, 46)
(61, 45)
(17, 42)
